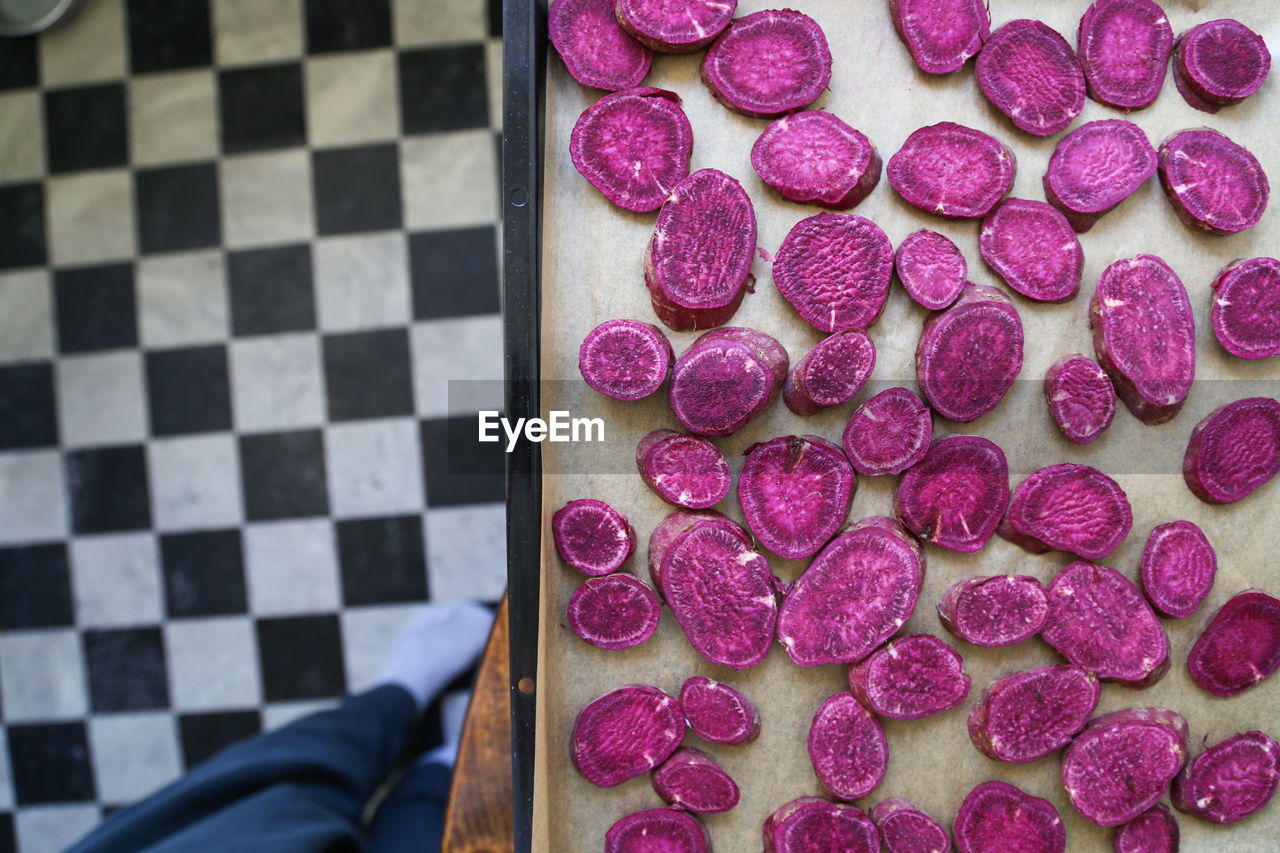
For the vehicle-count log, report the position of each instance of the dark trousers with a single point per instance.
(301, 789)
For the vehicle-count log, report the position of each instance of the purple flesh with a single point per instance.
(1222, 62)
(888, 433)
(633, 146)
(941, 35)
(996, 816)
(1072, 508)
(1178, 567)
(931, 268)
(669, 529)
(725, 379)
(1081, 398)
(675, 27)
(1214, 184)
(592, 536)
(626, 733)
(657, 831)
(625, 359)
(1124, 47)
(1184, 88)
(690, 779)
(795, 493)
(1026, 716)
(969, 355)
(768, 63)
(815, 158)
(847, 747)
(831, 373)
(1144, 336)
(910, 678)
(1240, 647)
(617, 611)
(1032, 246)
(595, 49)
(685, 470)
(904, 828)
(956, 495)
(1246, 308)
(1095, 167)
(814, 825)
(1099, 619)
(1000, 610)
(951, 170)
(834, 269)
(717, 713)
(1153, 831)
(1230, 780)
(1234, 451)
(1029, 72)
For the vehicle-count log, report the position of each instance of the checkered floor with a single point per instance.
(244, 245)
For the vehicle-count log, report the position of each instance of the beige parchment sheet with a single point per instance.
(592, 271)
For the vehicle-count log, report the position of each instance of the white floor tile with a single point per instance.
(173, 117)
(6, 783)
(101, 400)
(352, 98)
(467, 552)
(26, 318)
(291, 567)
(88, 47)
(33, 498)
(257, 31)
(89, 217)
(439, 22)
(116, 580)
(266, 199)
(212, 664)
(133, 755)
(21, 137)
(374, 468)
(449, 179)
(195, 482)
(182, 299)
(277, 382)
(42, 676)
(362, 282)
(367, 637)
(50, 829)
(466, 351)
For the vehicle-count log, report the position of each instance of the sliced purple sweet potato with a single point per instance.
(1098, 619)
(1124, 47)
(1230, 780)
(592, 536)
(951, 170)
(595, 49)
(768, 63)
(1234, 451)
(1144, 336)
(1213, 183)
(910, 678)
(1240, 647)
(633, 146)
(855, 595)
(625, 359)
(681, 521)
(815, 825)
(717, 712)
(996, 816)
(1029, 73)
(795, 493)
(692, 780)
(941, 35)
(813, 157)
(1153, 831)
(956, 495)
(658, 831)
(1221, 62)
(626, 733)
(613, 612)
(725, 378)
(1072, 508)
(835, 269)
(1095, 167)
(1122, 763)
(685, 470)
(1032, 247)
(905, 828)
(999, 610)
(831, 373)
(1081, 397)
(931, 268)
(888, 433)
(969, 355)
(1028, 715)
(1177, 569)
(847, 747)
(681, 27)
(699, 259)
(1246, 308)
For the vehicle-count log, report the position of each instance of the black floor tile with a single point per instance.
(50, 763)
(283, 475)
(205, 735)
(458, 469)
(455, 273)
(22, 223)
(8, 841)
(96, 308)
(301, 658)
(189, 390)
(86, 128)
(167, 34)
(177, 208)
(203, 573)
(334, 25)
(126, 670)
(108, 489)
(35, 587)
(357, 189)
(19, 63)
(271, 290)
(262, 107)
(495, 17)
(368, 374)
(28, 414)
(383, 560)
(443, 88)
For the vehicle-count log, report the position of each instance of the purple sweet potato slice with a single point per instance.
(951, 170)
(1153, 831)
(905, 828)
(1240, 646)
(996, 817)
(692, 780)
(999, 610)
(1081, 397)
(1032, 247)
(675, 27)
(768, 63)
(1095, 167)
(1029, 72)
(626, 733)
(592, 536)
(910, 678)
(718, 713)
(795, 493)
(941, 35)
(1028, 715)
(1246, 308)
(613, 612)
(847, 747)
(888, 433)
(699, 258)
(813, 157)
(1213, 183)
(1184, 88)
(633, 146)
(1230, 780)
(595, 49)
(1222, 62)
(657, 831)
(1234, 451)
(1144, 336)
(1124, 47)
(955, 496)
(831, 373)
(969, 355)
(726, 378)
(625, 359)
(931, 268)
(1177, 569)
(1098, 619)
(815, 825)
(835, 269)
(1072, 508)
(1122, 763)
(685, 470)
(669, 530)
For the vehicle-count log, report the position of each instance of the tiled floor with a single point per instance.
(244, 245)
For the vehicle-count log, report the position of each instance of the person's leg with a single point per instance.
(411, 818)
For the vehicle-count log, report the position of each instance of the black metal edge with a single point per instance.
(524, 59)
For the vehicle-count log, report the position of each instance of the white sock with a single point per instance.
(440, 641)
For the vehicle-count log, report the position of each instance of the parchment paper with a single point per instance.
(592, 272)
